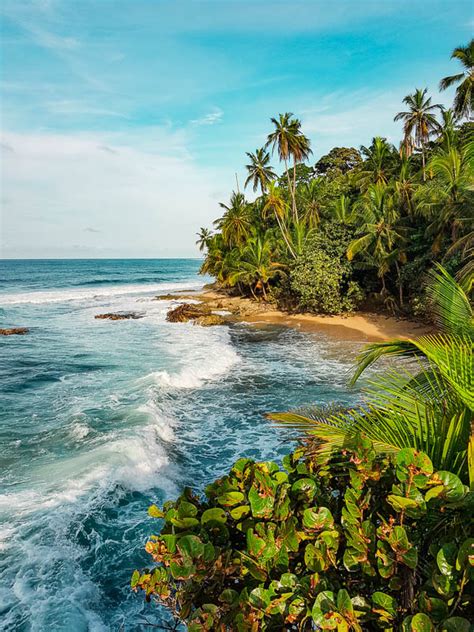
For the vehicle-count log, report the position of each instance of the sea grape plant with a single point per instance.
(360, 542)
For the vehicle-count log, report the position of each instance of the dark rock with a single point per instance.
(14, 331)
(210, 320)
(186, 311)
(119, 316)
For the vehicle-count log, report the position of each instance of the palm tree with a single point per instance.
(288, 140)
(342, 210)
(380, 159)
(379, 232)
(448, 198)
(431, 410)
(309, 199)
(405, 187)
(419, 121)
(464, 100)
(448, 136)
(256, 265)
(260, 172)
(236, 222)
(204, 236)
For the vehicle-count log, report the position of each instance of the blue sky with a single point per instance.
(125, 121)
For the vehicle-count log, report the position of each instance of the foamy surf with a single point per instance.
(95, 294)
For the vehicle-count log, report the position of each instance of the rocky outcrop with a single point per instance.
(210, 320)
(14, 331)
(187, 311)
(199, 314)
(119, 316)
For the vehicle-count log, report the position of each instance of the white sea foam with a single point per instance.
(130, 461)
(94, 293)
(204, 361)
(80, 430)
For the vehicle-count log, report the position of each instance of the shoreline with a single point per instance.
(359, 326)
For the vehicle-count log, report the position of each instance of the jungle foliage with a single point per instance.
(405, 208)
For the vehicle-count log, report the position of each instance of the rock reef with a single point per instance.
(119, 316)
(14, 331)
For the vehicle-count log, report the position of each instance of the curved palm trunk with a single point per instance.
(290, 188)
(295, 210)
(283, 231)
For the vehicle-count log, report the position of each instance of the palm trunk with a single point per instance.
(295, 210)
(290, 188)
(284, 235)
(400, 285)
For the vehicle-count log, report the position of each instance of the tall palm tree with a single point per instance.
(204, 236)
(236, 222)
(289, 142)
(464, 100)
(431, 410)
(259, 169)
(379, 233)
(419, 121)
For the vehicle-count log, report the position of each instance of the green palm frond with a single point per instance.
(450, 305)
(394, 417)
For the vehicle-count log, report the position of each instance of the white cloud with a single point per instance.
(145, 202)
(210, 118)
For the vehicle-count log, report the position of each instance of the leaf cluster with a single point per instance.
(355, 543)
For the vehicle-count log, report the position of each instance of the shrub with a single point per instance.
(356, 543)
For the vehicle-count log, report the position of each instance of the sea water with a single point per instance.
(99, 419)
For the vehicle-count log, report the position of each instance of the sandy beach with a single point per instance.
(362, 326)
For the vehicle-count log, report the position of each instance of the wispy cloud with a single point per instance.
(75, 108)
(211, 118)
(89, 229)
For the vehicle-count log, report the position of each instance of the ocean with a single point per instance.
(99, 419)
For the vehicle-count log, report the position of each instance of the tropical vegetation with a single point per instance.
(357, 542)
(368, 524)
(399, 210)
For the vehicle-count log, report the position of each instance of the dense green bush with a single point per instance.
(321, 277)
(356, 543)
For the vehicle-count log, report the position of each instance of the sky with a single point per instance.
(125, 122)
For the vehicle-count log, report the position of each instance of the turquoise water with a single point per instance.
(99, 419)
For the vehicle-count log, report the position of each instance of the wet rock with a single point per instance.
(210, 320)
(187, 311)
(119, 316)
(165, 297)
(14, 331)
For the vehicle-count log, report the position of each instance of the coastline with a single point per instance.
(360, 326)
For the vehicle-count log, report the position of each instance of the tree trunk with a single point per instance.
(400, 285)
(284, 235)
(295, 210)
(423, 170)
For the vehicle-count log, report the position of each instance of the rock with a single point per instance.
(165, 297)
(14, 331)
(210, 320)
(119, 316)
(186, 311)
